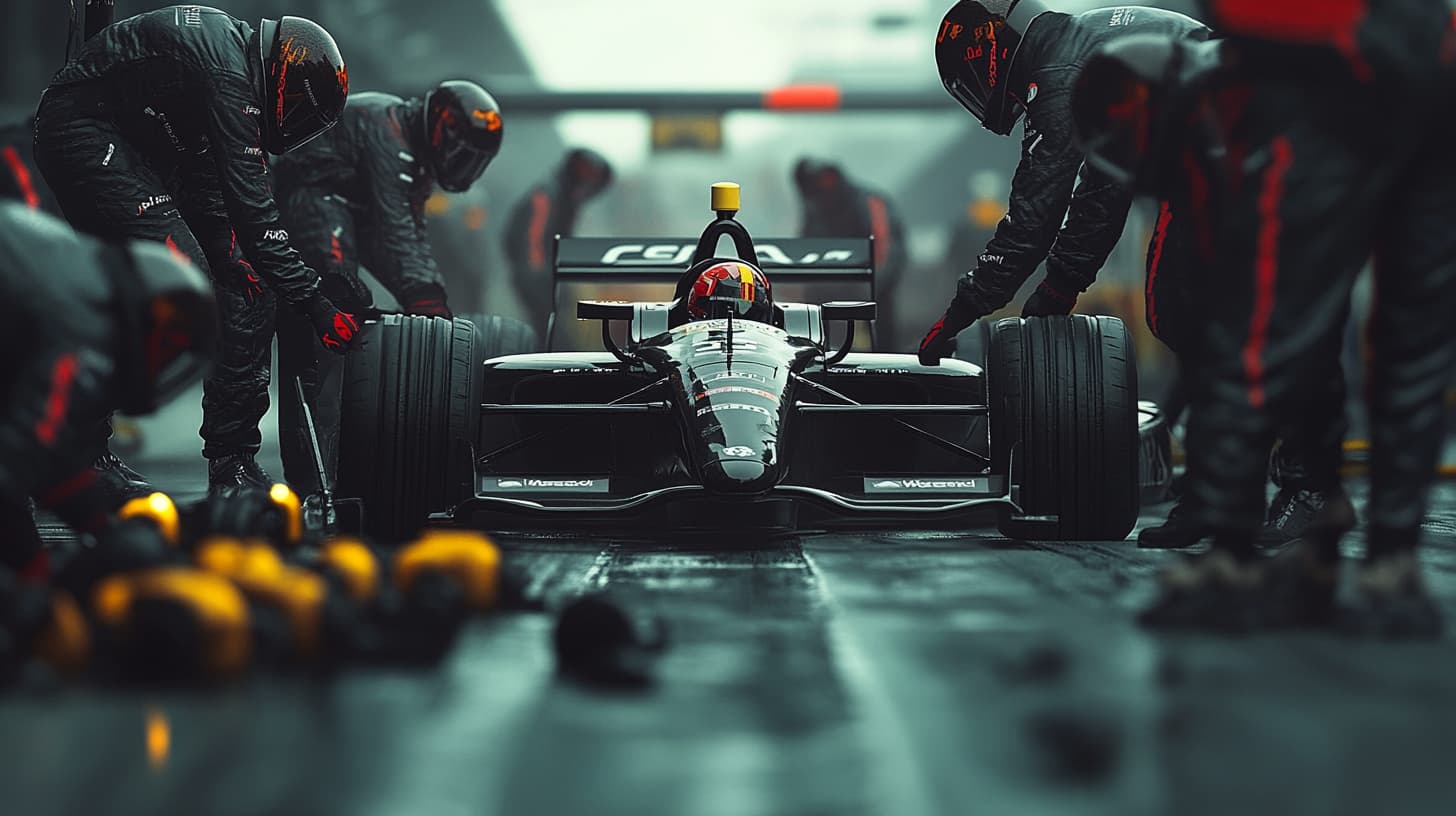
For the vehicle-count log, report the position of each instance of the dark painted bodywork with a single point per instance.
(714, 425)
(705, 416)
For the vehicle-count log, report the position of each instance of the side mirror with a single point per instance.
(603, 310)
(848, 310)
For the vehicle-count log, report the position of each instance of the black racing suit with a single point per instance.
(1072, 222)
(1180, 267)
(355, 194)
(545, 211)
(59, 328)
(1331, 154)
(1046, 189)
(851, 210)
(20, 179)
(152, 132)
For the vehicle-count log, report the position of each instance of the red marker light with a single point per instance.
(802, 97)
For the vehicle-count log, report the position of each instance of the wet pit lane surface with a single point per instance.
(829, 674)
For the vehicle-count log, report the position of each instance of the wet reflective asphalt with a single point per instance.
(829, 674)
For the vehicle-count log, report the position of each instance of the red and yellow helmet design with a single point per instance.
(732, 286)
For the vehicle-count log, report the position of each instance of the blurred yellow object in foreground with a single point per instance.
(159, 739)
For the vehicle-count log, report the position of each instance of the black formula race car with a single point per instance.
(724, 424)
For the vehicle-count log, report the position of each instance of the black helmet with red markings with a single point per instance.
(583, 174)
(305, 83)
(170, 320)
(816, 178)
(463, 128)
(731, 288)
(975, 49)
(163, 326)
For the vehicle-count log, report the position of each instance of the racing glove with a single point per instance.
(940, 340)
(429, 301)
(336, 328)
(253, 288)
(1049, 300)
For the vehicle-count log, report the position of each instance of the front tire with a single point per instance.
(409, 417)
(1064, 426)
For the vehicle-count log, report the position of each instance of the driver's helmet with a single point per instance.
(731, 288)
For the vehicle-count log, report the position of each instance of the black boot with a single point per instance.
(121, 481)
(1392, 600)
(227, 473)
(1295, 512)
(1300, 583)
(1214, 591)
(1178, 532)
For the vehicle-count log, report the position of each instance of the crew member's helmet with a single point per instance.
(816, 178)
(163, 316)
(733, 288)
(463, 128)
(170, 325)
(305, 83)
(584, 173)
(975, 50)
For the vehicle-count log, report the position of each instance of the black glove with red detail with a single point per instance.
(1049, 300)
(429, 302)
(336, 329)
(253, 288)
(940, 340)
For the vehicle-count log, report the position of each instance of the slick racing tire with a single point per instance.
(1064, 426)
(497, 336)
(408, 422)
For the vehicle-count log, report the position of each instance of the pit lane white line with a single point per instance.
(596, 577)
(896, 783)
(541, 577)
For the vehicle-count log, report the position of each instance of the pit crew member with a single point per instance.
(159, 129)
(357, 194)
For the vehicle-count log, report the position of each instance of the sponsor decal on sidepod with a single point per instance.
(531, 484)
(916, 484)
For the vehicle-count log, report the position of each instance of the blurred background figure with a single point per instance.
(836, 207)
(549, 209)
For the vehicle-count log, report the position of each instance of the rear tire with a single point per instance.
(497, 336)
(1064, 426)
(409, 417)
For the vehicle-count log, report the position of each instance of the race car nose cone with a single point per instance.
(737, 476)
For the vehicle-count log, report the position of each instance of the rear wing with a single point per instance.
(649, 260)
(664, 260)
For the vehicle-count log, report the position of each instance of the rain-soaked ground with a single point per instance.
(830, 674)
